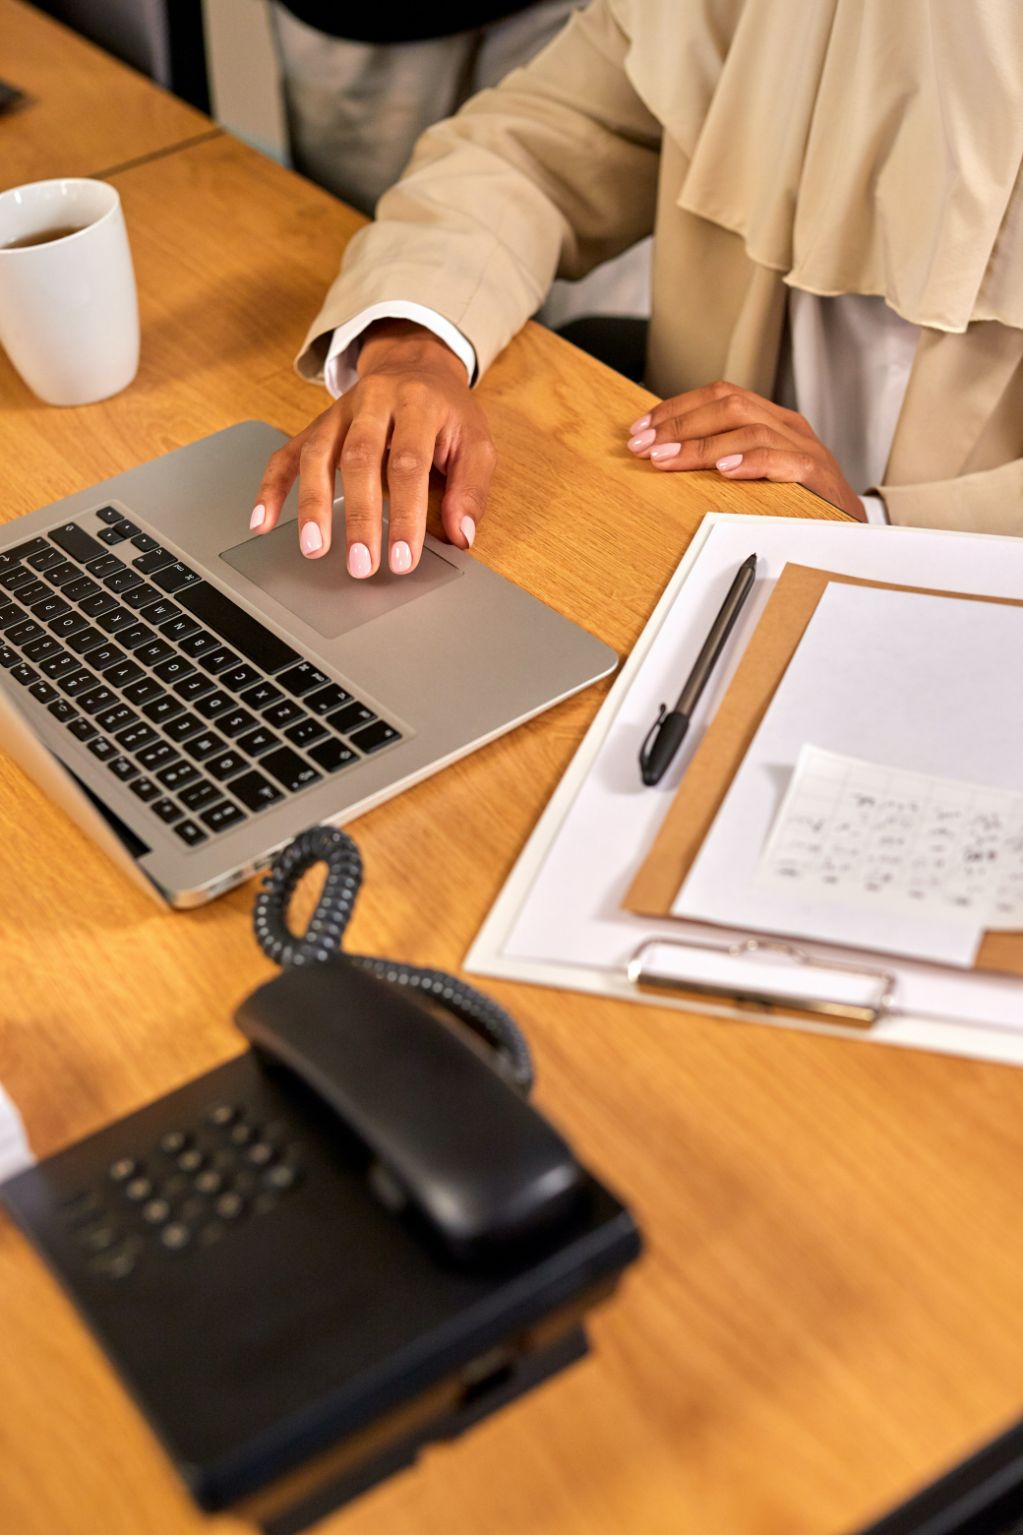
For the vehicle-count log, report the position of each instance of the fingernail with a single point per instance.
(359, 562)
(310, 539)
(258, 516)
(732, 461)
(468, 529)
(401, 557)
(643, 440)
(666, 450)
(641, 424)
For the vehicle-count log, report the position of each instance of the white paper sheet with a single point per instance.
(859, 834)
(14, 1152)
(558, 921)
(918, 682)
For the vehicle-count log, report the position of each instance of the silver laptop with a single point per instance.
(212, 693)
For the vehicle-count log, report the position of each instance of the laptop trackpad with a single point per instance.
(321, 592)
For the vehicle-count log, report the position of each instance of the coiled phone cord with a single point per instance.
(322, 940)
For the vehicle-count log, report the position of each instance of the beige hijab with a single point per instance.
(856, 146)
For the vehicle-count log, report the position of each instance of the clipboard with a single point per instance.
(559, 921)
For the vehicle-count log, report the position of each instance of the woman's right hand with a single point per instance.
(411, 410)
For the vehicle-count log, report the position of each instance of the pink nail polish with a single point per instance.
(731, 461)
(258, 517)
(667, 450)
(641, 440)
(468, 529)
(359, 562)
(401, 557)
(640, 425)
(310, 539)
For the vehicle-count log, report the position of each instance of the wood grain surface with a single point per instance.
(827, 1313)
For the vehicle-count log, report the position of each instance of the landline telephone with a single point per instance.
(351, 1240)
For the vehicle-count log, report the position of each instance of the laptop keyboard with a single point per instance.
(206, 715)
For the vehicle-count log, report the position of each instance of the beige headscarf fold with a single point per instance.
(857, 146)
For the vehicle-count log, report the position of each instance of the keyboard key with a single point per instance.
(238, 628)
(125, 528)
(45, 558)
(135, 737)
(106, 655)
(78, 683)
(39, 650)
(238, 677)
(180, 729)
(199, 644)
(156, 559)
(178, 775)
(19, 576)
(375, 736)
(33, 591)
(326, 699)
(85, 640)
(262, 695)
(119, 717)
(102, 748)
(205, 745)
(332, 755)
(222, 817)
(162, 709)
(214, 703)
(80, 589)
(42, 692)
(189, 833)
(153, 652)
(199, 794)
(225, 765)
(156, 756)
(121, 675)
(8, 657)
(145, 788)
(10, 614)
(282, 714)
(141, 597)
(218, 660)
(159, 610)
(191, 688)
(179, 627)
(60, 665)
(234, 723)
(142, 691)
(259, 741)
(289, 769)
(144, 544)
(173, 669)
(97, 606)
(123, 768)
(105, 565)
(22, 551)
(76, 542)
(117, 620)
(97, 699)
(255, 791)
(111, 536)
(138, 634)
(302, 679)
(110, 515)
(70, 623)
(173, 577)
(60, 575)
(50, 607)
(23, 633)
(166, 810)
(62, 711)
(25, 675)
(350, 718)
(122, 581)
(304, 732)
(81, 729)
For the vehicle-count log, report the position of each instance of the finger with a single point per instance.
(408, 484)
(713, 407)
(362, 463)
(706, 452)
(470, 471)
(278, 478)
(788, 465)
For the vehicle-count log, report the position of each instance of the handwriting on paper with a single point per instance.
(866, 835)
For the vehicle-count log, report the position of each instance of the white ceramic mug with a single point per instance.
(69, 318)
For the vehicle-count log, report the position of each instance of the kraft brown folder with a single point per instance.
(717, 759)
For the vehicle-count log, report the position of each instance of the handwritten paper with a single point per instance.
(890, 840)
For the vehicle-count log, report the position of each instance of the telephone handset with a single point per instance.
(351, 1240)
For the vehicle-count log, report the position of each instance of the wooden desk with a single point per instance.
(828, 1312)
(87, 113)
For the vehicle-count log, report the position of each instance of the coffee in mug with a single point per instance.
(43, 238)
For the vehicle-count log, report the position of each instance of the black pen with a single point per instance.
(667, 732)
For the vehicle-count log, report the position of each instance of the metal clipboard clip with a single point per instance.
(823, 989)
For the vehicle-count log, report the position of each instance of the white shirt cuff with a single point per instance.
(339, 371)
(875, 510)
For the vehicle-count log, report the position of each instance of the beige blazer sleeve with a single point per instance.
(989, 501)
(549, 174)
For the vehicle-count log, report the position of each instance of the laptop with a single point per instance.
(209, 693)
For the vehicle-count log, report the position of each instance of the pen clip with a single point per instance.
(645, 749)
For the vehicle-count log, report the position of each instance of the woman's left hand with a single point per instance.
(744, 437)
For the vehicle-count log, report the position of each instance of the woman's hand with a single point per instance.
(744, 437)
(411, 410)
